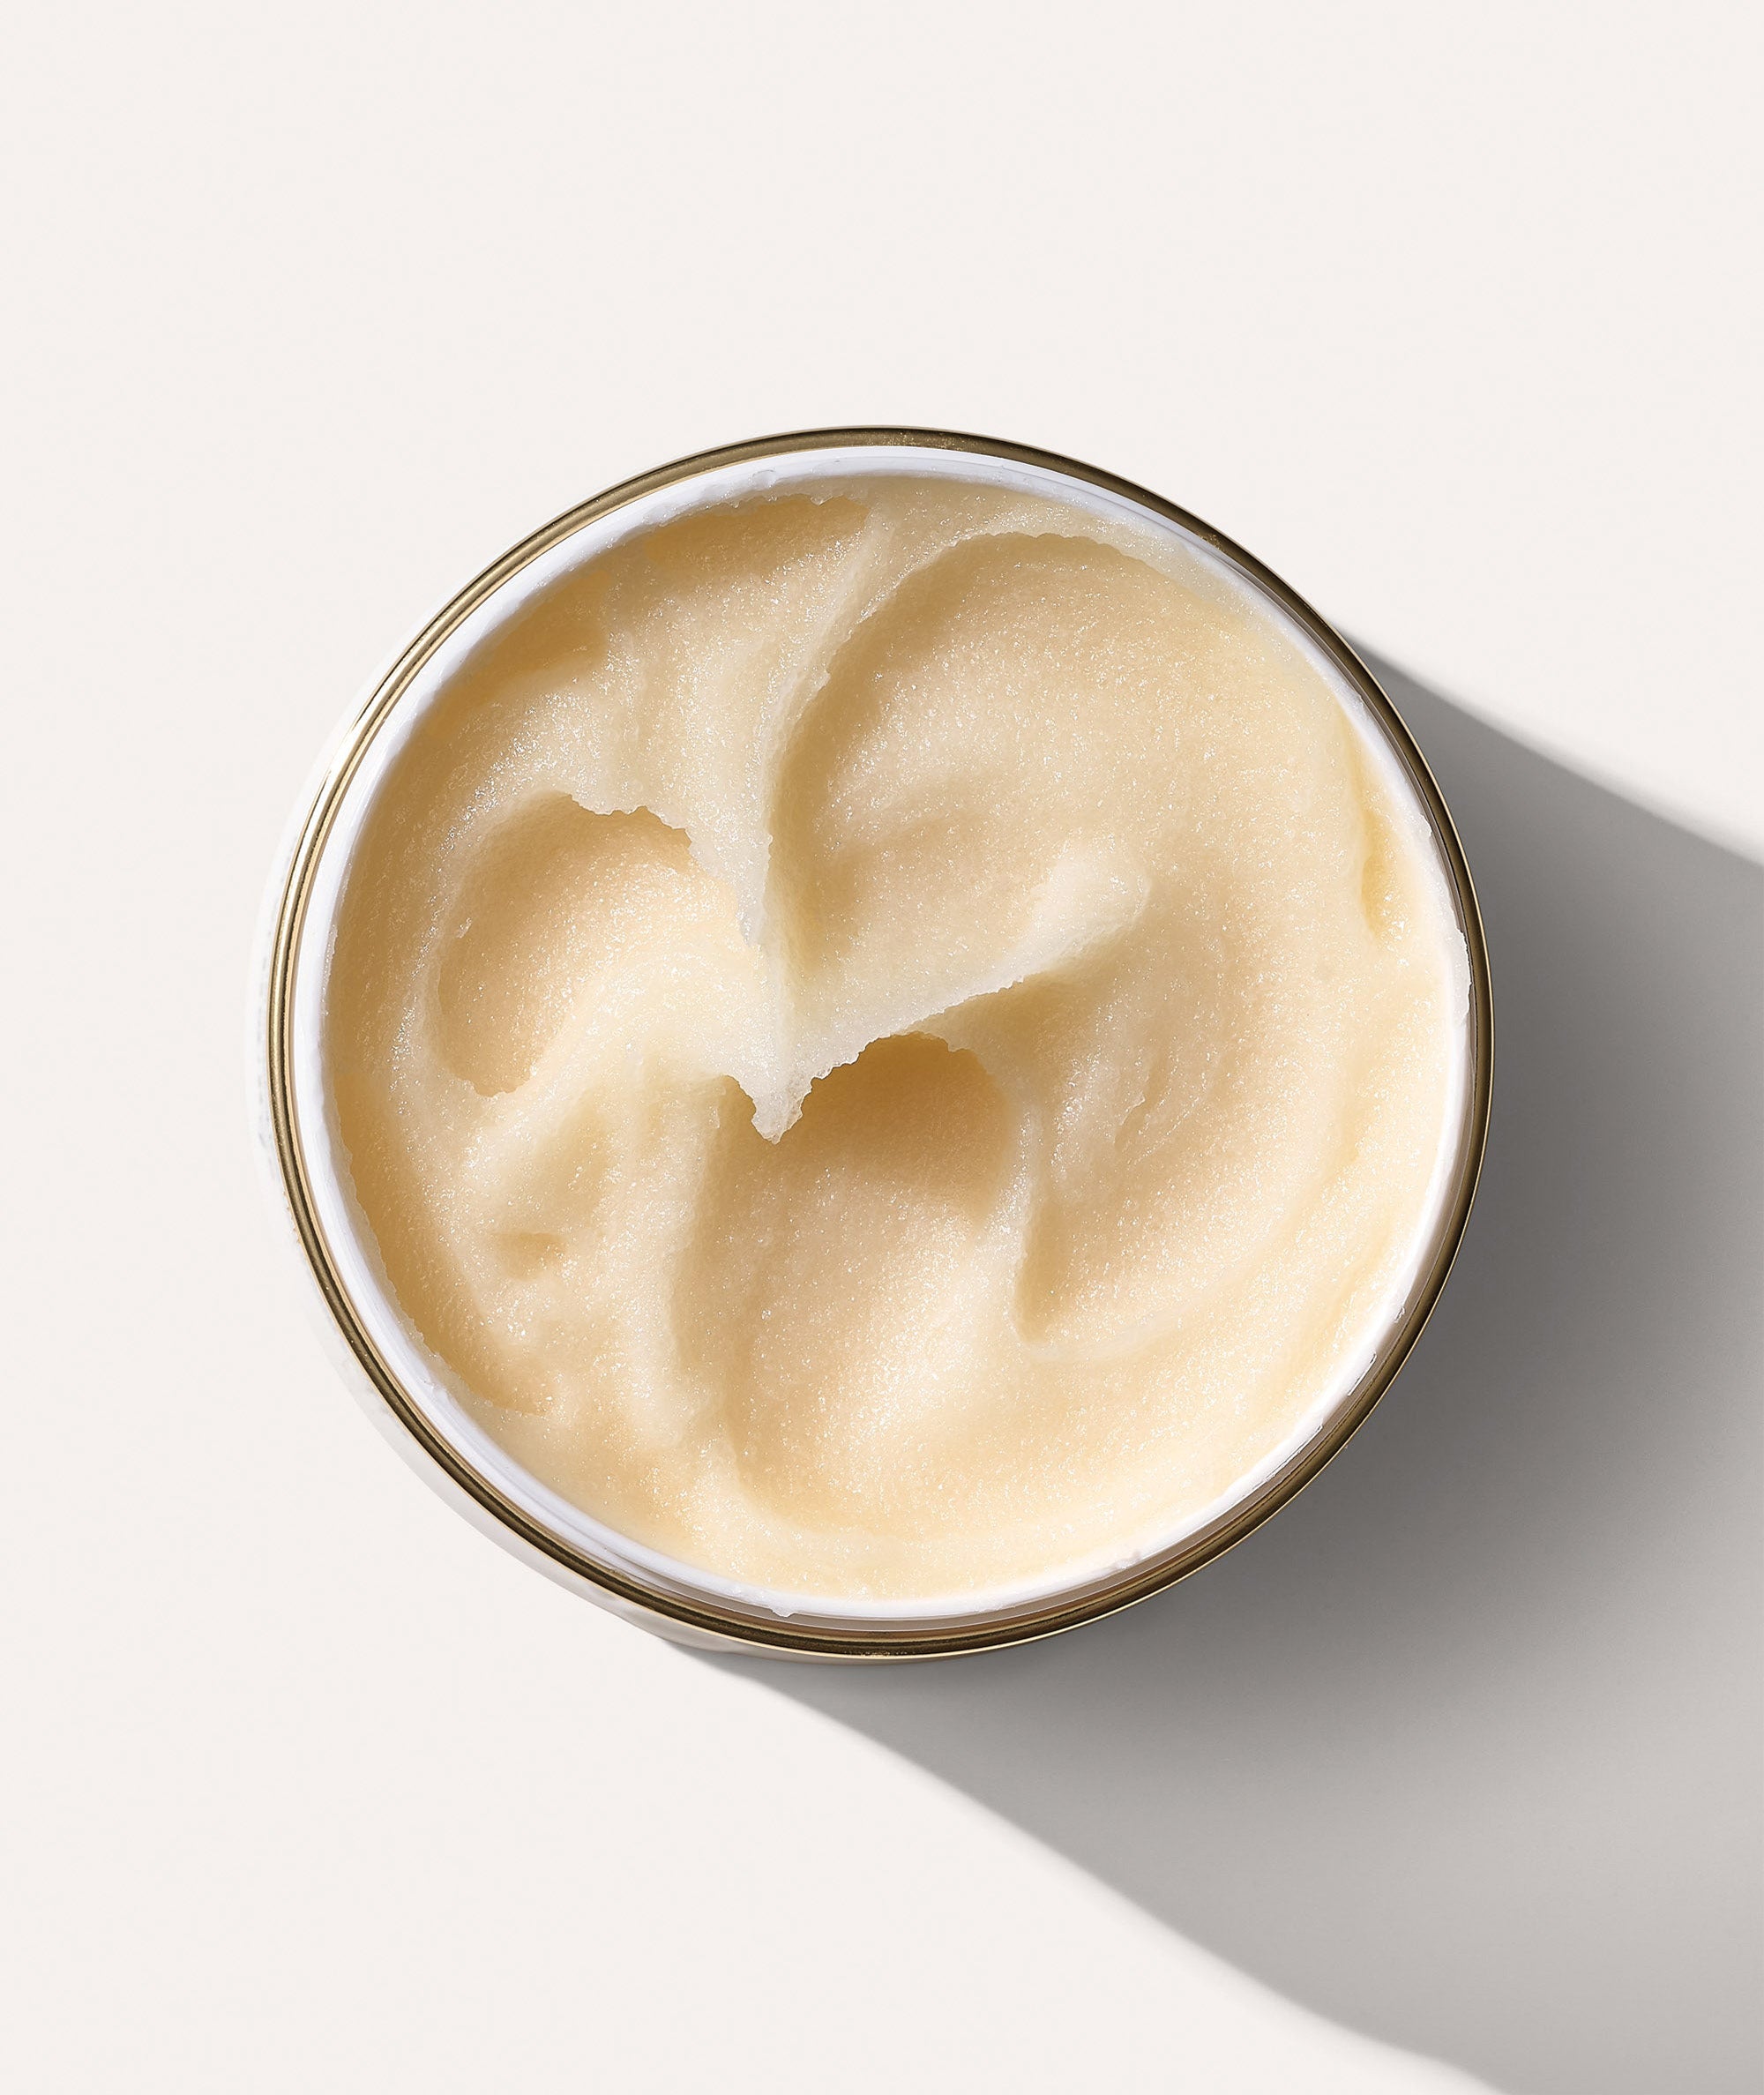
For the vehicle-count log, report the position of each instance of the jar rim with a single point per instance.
(676, 1599)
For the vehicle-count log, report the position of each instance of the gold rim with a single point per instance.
(830, 1636)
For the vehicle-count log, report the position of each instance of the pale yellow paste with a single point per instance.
(893, 1038)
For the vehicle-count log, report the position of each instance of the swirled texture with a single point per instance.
(892, 1038)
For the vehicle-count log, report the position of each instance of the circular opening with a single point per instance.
(418, 1390)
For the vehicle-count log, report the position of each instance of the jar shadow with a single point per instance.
(1460, 1750)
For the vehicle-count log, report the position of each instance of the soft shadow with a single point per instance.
(1462, 1749)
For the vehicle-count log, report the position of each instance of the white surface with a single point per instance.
(313, 312)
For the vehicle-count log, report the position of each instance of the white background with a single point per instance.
(1449, 315)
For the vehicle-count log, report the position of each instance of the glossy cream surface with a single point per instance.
(893, 1038)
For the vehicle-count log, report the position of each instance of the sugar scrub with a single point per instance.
(895, 1038)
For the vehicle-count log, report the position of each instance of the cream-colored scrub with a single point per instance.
(894, 1038)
